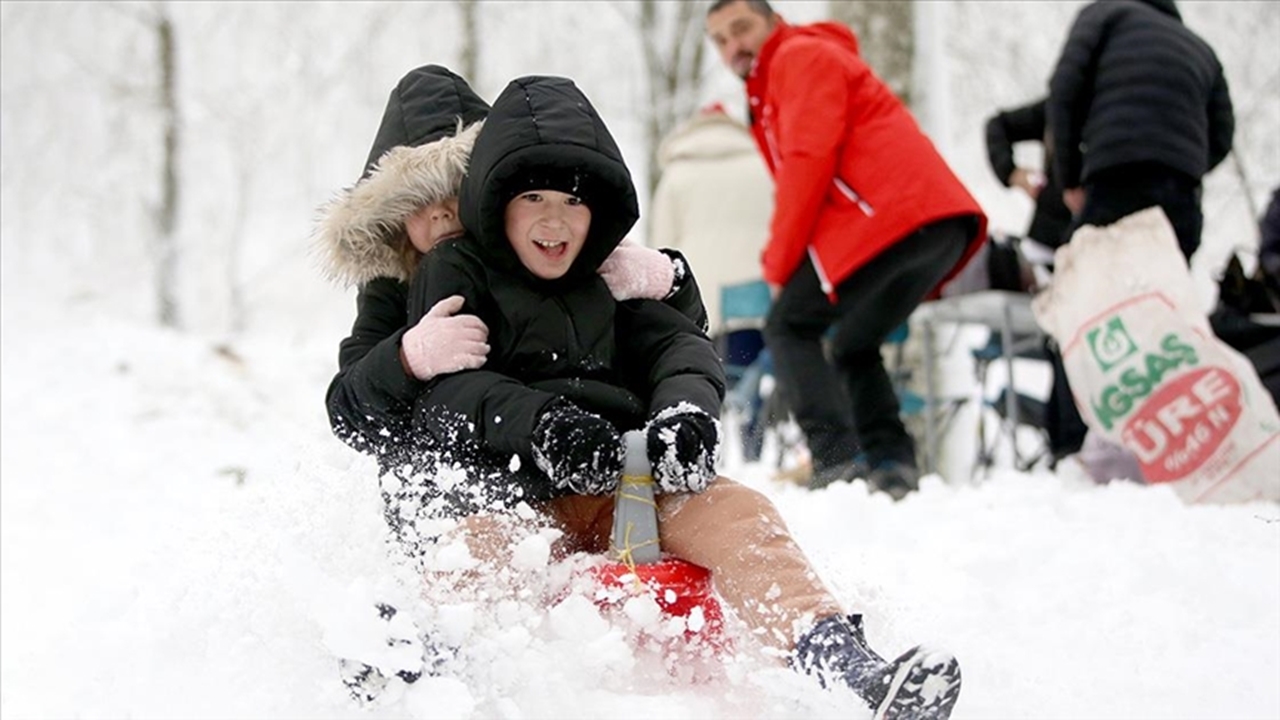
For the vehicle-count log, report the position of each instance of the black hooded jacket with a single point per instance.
(1134, 85)
(419, 155)
(563, 338)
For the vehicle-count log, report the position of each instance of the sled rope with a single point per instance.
(633, 480)
(625, 557)
(625, 553)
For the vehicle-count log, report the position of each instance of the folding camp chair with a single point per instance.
(911, 405)
(740, 341)
(1028, 412)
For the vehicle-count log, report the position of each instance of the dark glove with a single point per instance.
(684, 444)
(580, 451)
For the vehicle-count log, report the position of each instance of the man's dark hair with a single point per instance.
(762, 7)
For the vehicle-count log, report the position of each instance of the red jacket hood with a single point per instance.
(827, 30)
(834, 31)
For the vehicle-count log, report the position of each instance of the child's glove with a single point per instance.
(443, 343)
(580, 451)
(684, 443)
(633, 271)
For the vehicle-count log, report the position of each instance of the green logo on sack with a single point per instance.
(1141, 378)
(1110, 343)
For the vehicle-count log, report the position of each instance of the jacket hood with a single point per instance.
(419, 156)
(829, 31)
(545, 127)
(1165, 6)
(710, 136)
(832, 32)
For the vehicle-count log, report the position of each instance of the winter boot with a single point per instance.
(848, 470)
(897, 479)
(366, 682)
(920, 685)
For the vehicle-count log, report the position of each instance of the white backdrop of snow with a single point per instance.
(181, 536)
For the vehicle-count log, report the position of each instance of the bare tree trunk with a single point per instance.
(469, 55)
(886, 39)
(235, 243)
(670, 37)
(167, 214)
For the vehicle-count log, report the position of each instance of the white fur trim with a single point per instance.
(354, 228)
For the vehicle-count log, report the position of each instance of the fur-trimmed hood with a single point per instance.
(419, 157)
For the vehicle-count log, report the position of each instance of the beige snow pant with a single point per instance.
(733, 531)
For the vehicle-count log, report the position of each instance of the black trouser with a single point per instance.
(1062, 421)
(1110, 195)
(847, 403)
(1113, 193)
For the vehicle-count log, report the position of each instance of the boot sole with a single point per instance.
(925, 686)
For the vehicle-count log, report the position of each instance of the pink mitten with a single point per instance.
(443, 343)
(633, 271)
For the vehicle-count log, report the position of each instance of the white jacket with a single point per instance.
(713, 203)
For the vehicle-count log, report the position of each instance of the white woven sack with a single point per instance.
(1147, 371)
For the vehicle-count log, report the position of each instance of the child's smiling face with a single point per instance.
(547, 229)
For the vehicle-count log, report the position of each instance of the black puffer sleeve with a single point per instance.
(662, 350)
(1007, 127)
(370, 399)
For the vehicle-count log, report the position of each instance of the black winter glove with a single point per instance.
(684, 444)
(580, 451)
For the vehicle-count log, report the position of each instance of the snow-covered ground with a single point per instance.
(182, 537)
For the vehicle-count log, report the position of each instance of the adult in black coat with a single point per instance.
(1006, 128)
(1138, 111)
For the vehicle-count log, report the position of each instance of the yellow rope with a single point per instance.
(625, 557)
(624, 554)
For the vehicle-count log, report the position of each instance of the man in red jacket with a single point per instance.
(868, 219)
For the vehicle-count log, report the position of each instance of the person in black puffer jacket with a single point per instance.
(1139, 111)
(561, 347)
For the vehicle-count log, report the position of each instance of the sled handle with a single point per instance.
(635, 511)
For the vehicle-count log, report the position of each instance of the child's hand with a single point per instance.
(580, 451)
(633, 271)
(443, 343)
(684, 443)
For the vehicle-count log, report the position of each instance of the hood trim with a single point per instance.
(356, 230)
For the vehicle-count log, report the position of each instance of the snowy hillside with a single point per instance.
(182, 537)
